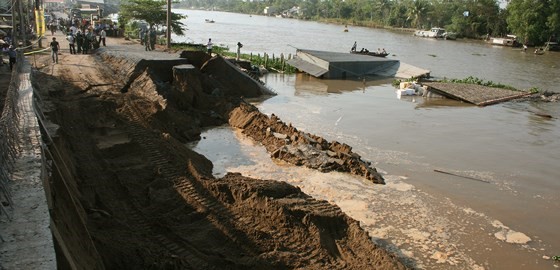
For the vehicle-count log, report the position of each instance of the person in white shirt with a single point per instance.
(73, 29)
(102, 36)
(209, 46)
(71, 40)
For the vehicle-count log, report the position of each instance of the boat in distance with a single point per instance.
(435, 32)
(508, 41)
(366, 52)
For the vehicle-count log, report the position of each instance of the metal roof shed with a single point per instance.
(334, 65)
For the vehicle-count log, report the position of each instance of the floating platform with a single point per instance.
(336, 65)
(472, 93)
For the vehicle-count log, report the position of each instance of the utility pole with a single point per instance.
(22, 23)
(168, 32)
(14, 27)
(39, 21)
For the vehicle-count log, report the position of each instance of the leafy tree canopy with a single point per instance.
(535, 21)
(154, 12)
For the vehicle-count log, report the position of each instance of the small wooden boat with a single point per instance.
(376, 54)
(209, 21)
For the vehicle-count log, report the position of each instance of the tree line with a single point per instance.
(533, 21)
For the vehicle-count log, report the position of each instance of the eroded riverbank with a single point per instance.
(146, 201)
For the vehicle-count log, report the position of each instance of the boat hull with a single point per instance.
(435, 32)
(371, 54)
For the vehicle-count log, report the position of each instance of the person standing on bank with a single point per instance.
(239, 46)
(153, 38)
(87, 42)
(54, 50)
(102, 36)
(12, 54)
(79, 40)
(71, 39)
(209, 46)
(147, 45)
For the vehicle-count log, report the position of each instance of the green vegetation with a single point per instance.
(153, 12)
(397, 82)
(270, 62)
(534, 21)
(478, 81)
(534, 90)
(132, 29)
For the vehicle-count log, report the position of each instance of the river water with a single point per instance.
(501, 212)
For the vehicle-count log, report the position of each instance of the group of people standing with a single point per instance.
(78, 42)
(148, 38)
(83, 42)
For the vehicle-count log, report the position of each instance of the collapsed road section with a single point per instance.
(124, 192)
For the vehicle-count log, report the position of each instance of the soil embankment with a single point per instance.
(118, 122)
(285, 142)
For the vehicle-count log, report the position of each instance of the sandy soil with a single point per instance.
(148, 202)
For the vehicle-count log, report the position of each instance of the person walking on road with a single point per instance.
(54, 50)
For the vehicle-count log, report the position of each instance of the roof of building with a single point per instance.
(336, 64)
(92, 1)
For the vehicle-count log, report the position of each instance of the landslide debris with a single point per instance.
(123, 181)
(285, 142)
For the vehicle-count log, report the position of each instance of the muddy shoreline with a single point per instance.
(144, 201)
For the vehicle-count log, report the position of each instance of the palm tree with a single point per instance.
(417, 11)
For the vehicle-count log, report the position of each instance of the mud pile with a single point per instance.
(285, 142)
(126, 184)
(545, 96)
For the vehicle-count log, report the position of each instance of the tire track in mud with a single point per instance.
(319, 208)
(193, 191)
(235, 225)
(89, 74)
(90, 77)
(155, 156)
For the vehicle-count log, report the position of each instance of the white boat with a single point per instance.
(509, 40)
(435, 32)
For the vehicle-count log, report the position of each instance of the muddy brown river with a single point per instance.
(496, 207)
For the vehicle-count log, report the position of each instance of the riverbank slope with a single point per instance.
(143, 200)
